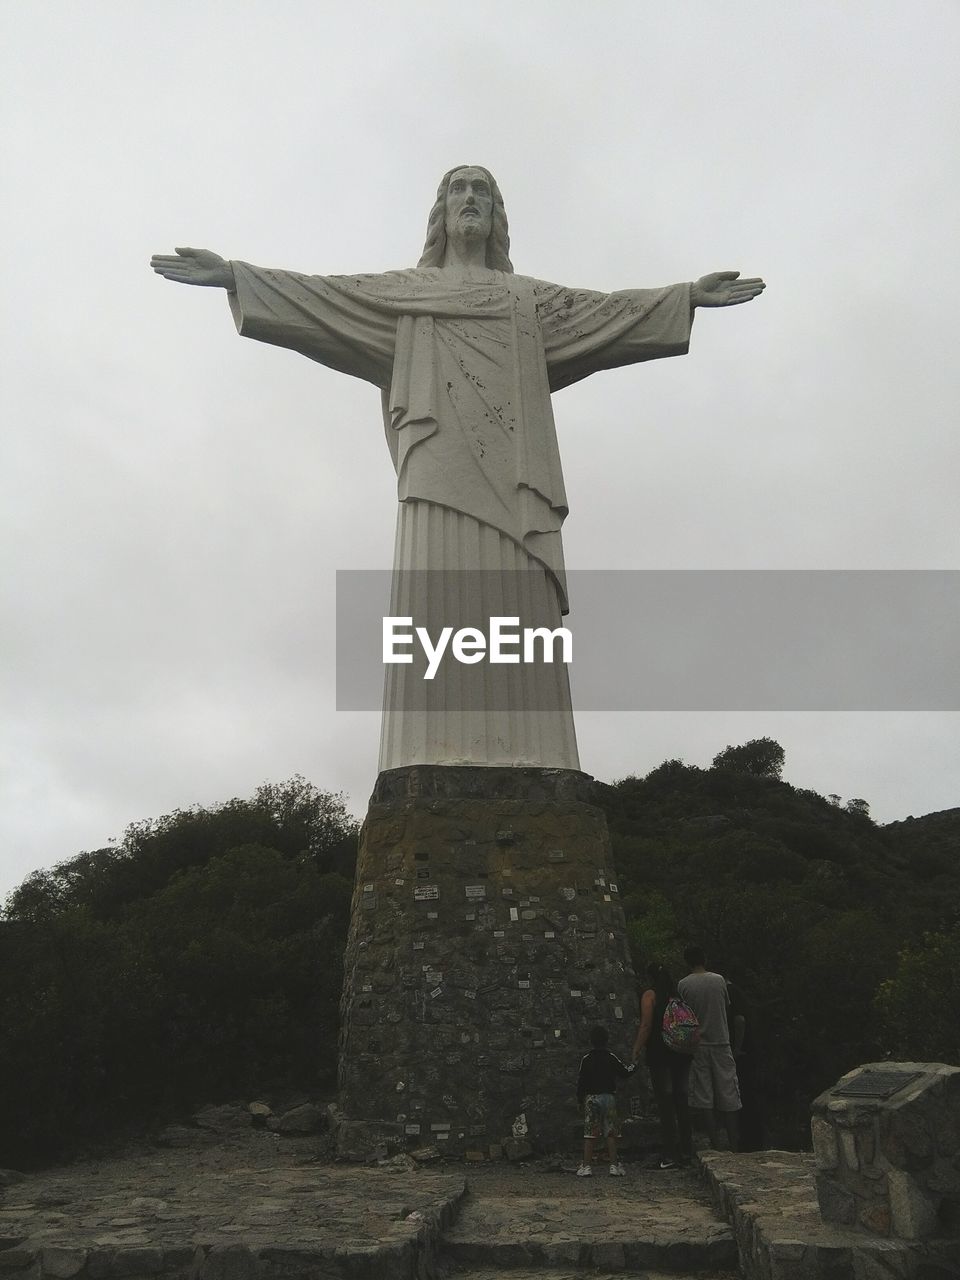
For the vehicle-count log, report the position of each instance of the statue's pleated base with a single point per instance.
(452, 571)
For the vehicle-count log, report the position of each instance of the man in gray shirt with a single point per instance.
(713, 1085)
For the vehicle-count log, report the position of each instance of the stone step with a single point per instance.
(575, 1256)
(614, 1225)
(552, 1273)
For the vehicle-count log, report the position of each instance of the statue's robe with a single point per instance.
(466, 370)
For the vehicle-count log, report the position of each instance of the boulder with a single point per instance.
(307, 1118)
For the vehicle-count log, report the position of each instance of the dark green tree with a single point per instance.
(919, 1004)
(199, 960)
(804, 905)
(761, 757)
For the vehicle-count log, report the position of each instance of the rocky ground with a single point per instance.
(222, 1200)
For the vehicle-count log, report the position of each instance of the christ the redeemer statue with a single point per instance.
(466, 354)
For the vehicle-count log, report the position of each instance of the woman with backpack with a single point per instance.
(669, 1068)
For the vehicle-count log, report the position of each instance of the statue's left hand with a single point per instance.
(724, 289)
(195, 266)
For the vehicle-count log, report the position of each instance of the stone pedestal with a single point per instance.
(886, 1140)
(486, 938)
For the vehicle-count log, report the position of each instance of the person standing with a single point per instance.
(669, 1070)
(714, 1089)
(600, 1073)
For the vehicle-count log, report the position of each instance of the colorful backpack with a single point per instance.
(681, 1030)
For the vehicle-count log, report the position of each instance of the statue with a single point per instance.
(466, 354)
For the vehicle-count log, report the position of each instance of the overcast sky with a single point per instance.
(176, 500)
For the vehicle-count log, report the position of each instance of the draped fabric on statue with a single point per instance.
(517, 714)
(466, 370)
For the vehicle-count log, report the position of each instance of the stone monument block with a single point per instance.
(487, 936)
(887, 1143)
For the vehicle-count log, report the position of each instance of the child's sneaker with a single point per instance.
(585, 1171)
(617, 1171)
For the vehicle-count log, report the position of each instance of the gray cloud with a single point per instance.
(176, 501)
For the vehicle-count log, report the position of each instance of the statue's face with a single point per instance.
(469, 204)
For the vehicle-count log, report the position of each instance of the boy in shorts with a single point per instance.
(600, 1073)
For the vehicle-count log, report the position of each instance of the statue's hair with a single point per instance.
(498, 245)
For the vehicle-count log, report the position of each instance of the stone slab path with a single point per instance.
(252, 1206)
(227, 1210)
(770, 1199)
(515, 1217)
(214, 1206)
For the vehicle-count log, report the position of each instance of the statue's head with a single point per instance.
(461, 189)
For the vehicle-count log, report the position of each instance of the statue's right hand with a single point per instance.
(195, 266)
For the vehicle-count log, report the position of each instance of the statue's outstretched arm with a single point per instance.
(724, 289)
(195, 266)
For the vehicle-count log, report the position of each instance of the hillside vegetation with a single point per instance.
(844, 936)
(200, 958)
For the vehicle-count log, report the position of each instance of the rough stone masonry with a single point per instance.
(487, 937)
